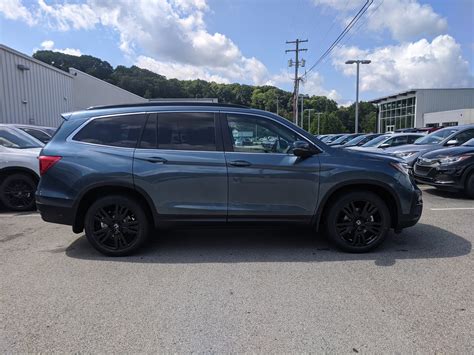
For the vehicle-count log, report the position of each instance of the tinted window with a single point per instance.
(412, 139)
(118, 131)
(398, 141)
(464, 136)
(149, 136)
(39, 135)
(186, 131)
(258, 135)
(374, 142)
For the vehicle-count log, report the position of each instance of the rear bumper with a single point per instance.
(412, 218)
(55, 210)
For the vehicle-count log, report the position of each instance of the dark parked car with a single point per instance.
(344, 139)
(449, 168)
(445, 137)
(361, 140)
(118, 172)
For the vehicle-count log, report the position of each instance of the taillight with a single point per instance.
(46, 162)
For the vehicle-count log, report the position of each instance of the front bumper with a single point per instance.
(438, 176)
(416, 209)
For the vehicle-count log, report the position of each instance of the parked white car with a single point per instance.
(41, 133)
(19, 168)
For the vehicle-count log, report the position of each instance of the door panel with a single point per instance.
(266, 181)
(187, 179)
(183, 183)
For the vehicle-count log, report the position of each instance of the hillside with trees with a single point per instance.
(151, 85)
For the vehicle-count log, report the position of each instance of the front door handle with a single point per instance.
(157, 160)
(239, 163)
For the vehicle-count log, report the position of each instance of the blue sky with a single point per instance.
(412, 43)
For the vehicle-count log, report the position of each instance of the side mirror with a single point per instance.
(303, 149)
(385, 145)
(452, 142)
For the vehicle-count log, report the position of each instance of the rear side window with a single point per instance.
(117, 131)
(186, 131)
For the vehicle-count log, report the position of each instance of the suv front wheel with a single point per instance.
(358, 221)
(116, 225)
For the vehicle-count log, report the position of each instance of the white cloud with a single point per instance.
(313, 85)
(49, 46)
(15, 10)
(419, 64)
(404, 19)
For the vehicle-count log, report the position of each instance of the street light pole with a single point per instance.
(357, 62)
(309, 119)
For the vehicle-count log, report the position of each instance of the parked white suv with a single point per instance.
(19, 171)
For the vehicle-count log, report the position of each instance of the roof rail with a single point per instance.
(166, 103)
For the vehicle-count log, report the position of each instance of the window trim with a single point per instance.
(70, 139)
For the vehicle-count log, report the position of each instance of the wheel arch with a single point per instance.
(382, 190)
(18, 170)
(99, 190)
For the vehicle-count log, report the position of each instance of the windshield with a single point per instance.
(374, 142)
(340, 139)
(469, 143)
(355, 140)
(11, 139)
(435, 137)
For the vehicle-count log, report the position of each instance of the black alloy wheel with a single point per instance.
(358, 222)
(116, 225)
(17, 192)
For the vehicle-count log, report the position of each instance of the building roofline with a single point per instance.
(34, 60)
(105, 82)
(411, 91)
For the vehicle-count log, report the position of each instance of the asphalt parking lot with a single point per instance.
(242, 290)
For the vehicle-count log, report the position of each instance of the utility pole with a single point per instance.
(319, 115)
(302, 111)
(277, 105)
(297, 63)
(358, 62)
(309, 118)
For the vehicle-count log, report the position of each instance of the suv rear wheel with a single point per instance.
(358, 221)
(17, 192)
(116, 225)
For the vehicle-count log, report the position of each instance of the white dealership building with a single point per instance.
(33, 92)
(425, 108)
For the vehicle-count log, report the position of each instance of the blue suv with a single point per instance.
(119, 172)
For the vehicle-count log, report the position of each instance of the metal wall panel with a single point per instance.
(34, 96)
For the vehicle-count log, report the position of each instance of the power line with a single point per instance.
(342, 35)
(297, 63)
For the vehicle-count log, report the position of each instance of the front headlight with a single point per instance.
(405, 155)
(452, 160)
(401, 167)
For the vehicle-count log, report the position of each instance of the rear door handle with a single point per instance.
(157, 160)
(239, 163)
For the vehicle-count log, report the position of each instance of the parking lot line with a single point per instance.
(452, 208)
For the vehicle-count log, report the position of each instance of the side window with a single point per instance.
(412, 139)
(149, 137)
(40, 135)
(252, 134)
(117, 131)
(398, 141)
(187, 131)
(463, 137)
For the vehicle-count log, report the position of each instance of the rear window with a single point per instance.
(116, 131)
(180, 131)
(36, 133)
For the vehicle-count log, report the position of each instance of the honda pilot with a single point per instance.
(120, 172)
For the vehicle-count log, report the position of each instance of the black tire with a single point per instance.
(470, 185)
(17, 192)
(358, 221)
(116, 225)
